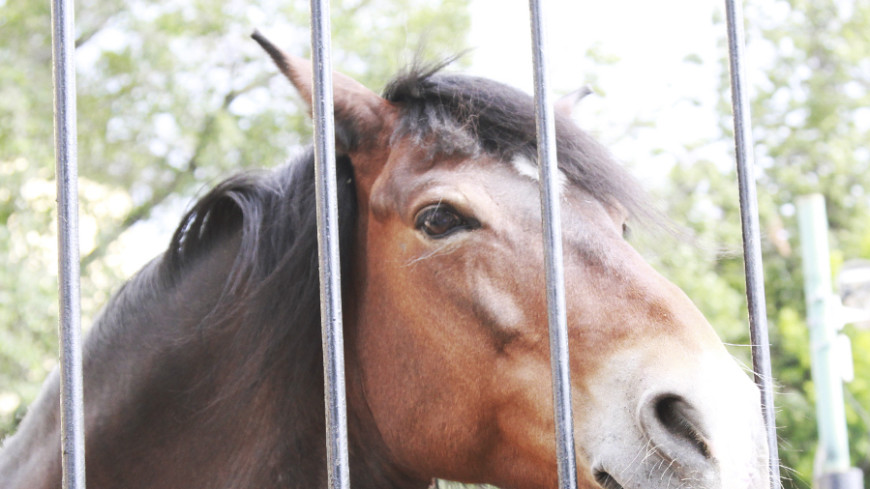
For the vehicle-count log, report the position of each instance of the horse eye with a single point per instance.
(440, 220)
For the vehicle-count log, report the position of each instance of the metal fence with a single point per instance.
(71, 392)
(751, 233)
(72, 424)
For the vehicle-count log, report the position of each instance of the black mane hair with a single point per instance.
(272, 288)
(465, 114)
(275, 212)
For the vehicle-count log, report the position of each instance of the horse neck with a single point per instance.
(197, 407)
(168, 403)
(371, 465)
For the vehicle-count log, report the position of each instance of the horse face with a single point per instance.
(448, 340)
(454, 296)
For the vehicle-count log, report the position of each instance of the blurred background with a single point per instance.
(174, 96)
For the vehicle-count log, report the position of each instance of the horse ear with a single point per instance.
(566, 103)
(361, 115)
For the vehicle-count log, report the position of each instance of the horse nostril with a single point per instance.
(606, 481)
(680, 421)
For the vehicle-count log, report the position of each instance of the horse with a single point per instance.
(204, 370)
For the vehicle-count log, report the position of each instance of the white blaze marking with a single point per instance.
(529, 169)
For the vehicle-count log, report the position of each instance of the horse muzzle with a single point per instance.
(701, 429)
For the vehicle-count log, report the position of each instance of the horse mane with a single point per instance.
(272, 288)
(469, 114)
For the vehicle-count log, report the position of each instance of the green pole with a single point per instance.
(833, 466)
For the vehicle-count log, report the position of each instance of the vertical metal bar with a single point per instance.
(751, 241)
(71, 398)
(556, 310)
(833, 468)
(827, 378)
(328, 248)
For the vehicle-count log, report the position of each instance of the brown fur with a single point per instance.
(205, 369)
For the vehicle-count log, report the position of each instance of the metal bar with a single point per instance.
(552, 237)
(69, 328)
(833, 467)
(827, 378)
(751, 241)
(328, 249)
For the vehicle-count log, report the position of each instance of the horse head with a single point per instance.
(447, 339)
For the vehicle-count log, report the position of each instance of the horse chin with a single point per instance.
(698, 428)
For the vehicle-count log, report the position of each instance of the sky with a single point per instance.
(650, 80)
(646, 36)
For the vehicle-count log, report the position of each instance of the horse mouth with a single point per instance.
(606, 480)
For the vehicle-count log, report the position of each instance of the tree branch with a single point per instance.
(89, 34)
(143, 210)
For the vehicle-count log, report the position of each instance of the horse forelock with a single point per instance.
(458, 114)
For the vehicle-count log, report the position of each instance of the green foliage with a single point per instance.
(811, 124)
(172, 96)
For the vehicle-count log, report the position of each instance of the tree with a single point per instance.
(811, 125)
(172, 96)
